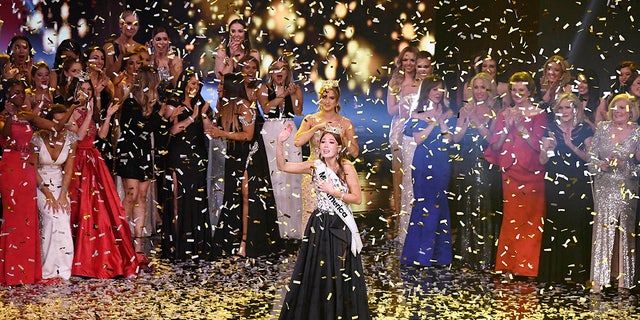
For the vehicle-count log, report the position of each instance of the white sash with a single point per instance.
(344, 211)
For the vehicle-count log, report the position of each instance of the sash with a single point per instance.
(344, 211)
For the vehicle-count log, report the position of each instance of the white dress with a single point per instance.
(55, 226)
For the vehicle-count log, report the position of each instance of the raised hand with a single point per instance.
(285, 133)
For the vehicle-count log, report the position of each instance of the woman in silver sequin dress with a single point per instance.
(614, 156)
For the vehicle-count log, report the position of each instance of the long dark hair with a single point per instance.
(246, 44)
(183, 80)
(593, 82)
(14, 40)
(426, 86)
(65, 45)
(342, 153)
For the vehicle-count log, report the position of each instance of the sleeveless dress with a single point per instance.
(428, 239)
(55, 226)
(327, 280)
(309, 201)
(102, 236)
(263, 236)
(187, 235)
(287, 187)
(20, 240)
(407, 148)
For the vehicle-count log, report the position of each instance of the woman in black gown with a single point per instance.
(187, 233)
(247, 224)
(328, 280)
(566, 240)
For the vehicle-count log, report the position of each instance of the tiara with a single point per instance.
(331, 129)
(330, 84)
(83, 76)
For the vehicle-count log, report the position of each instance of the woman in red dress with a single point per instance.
(102, 236)
(20, 261)
(515, 148)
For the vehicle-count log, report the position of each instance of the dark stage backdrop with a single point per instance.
(355, 41)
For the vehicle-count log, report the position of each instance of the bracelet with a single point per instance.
(191, 118)
(342, 196)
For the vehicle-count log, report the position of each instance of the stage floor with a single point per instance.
(253, 289)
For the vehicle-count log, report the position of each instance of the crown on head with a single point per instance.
(326, 84)
(83, 76)
(333, 129)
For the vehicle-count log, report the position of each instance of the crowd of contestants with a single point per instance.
(115, 143)
(528, 177)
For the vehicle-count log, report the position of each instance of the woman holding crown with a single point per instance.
(310, 131)
(328, 280)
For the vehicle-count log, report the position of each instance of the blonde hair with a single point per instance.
(575, 103)
(489, 83)
(633, 105)
(566, 74)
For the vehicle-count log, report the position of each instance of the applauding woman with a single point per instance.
(327, 280)
(515, 148)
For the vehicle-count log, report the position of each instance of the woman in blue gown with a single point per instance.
(428, 235)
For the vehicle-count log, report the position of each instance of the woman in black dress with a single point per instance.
(566, 240)
(187, 233)
(327, 280)
(141, 116)
(247, 224)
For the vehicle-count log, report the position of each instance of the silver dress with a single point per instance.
(615, 197)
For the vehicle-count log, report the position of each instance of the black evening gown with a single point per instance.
(187, 233)
(263, 235)
(327, 281)
(566, 240)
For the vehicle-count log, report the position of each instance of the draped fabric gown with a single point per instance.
(102, 236)
(523, 197)
(327, 281)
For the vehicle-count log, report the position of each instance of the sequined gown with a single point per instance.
(327, 280)
(428, 240)
(614, 205)
(102, 236)
(55, 226)
(523, 196)
(476, 212)
(566, 240)
(406, 149)
(20, 235)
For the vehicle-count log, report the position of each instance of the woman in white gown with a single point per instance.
(281, 100)
(54, 157)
